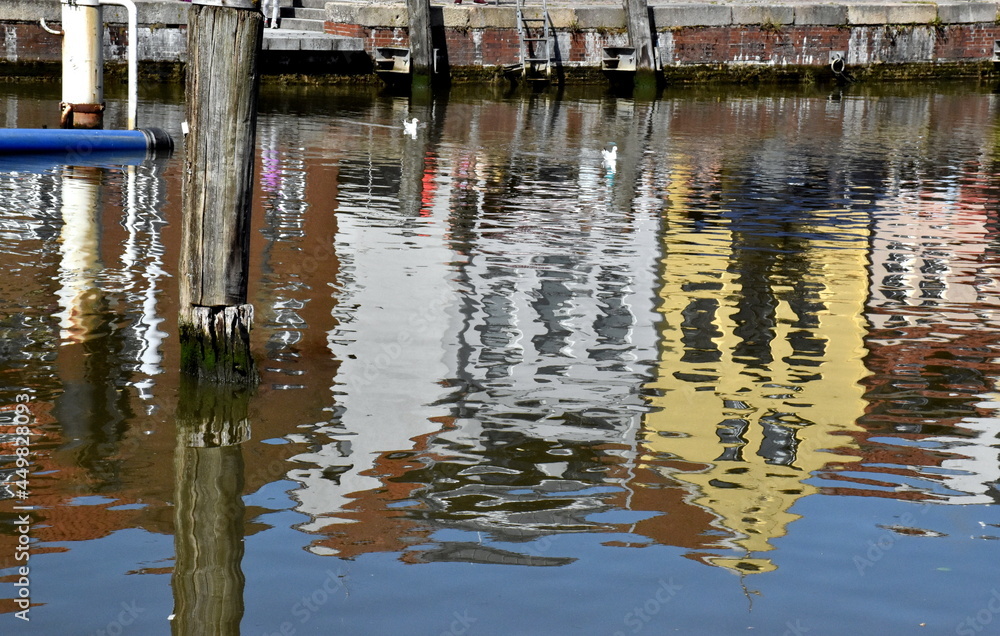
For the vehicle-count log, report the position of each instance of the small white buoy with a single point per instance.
(410, 127)
(610, 156)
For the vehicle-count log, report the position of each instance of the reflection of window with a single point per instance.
(730, 434)
(933, 288)
(894, 287)
(934, 266)
(898, 262)
(698, 331)
(779, 444)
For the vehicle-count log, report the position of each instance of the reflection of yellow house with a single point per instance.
(751, 396)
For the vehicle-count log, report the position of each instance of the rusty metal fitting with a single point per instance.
(81, 115)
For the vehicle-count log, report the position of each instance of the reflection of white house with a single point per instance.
(556, 320)
(972, 474)
(395, 294)
(926, 255)
(550, 318)
(553, 338)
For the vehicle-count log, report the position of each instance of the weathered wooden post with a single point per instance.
(224, 41)
(640, 34)
(421, 49)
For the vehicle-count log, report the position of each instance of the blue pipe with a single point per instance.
(79, 144)
(42, 163)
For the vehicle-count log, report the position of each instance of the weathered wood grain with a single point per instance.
(215, 344)
(641, 37)
(221, 98)
(421, 49)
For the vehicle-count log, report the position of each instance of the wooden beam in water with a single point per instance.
(640, 34)
(224, 42)
(421, 47)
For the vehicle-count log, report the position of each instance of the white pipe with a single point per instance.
(83, 54)
(133, 58)
(49, 29)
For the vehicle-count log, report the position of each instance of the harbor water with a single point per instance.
(742, 380)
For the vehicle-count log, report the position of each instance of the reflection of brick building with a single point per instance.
(64, 507)
(102, 395)
(932, 344)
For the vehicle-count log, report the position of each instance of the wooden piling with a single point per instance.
(421, 48)
(224, 42)
(640, 34)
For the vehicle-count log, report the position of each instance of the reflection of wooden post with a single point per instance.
(222, 86)
(640, 34)
(411, 182)
(208, 579)
(421, 51)
(210, 415)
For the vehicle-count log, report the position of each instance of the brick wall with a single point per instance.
(800, 46)
(972, 42)
(29, 42)
(788, 45)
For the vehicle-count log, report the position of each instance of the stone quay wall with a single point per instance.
(694, 40)
(162, 32)
(697, 40)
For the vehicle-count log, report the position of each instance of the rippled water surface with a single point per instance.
(744, 380)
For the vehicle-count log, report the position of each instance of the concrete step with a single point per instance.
(303, 14)
(302, 4)
(298, 24)
(291, 40)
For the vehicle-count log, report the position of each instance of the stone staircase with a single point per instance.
(300, 28)
(302, 15)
